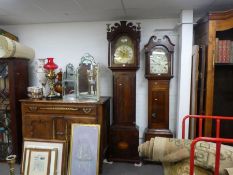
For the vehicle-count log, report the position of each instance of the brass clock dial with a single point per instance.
(123, 54)
(158, 62)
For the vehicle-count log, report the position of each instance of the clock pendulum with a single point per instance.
(159, 71)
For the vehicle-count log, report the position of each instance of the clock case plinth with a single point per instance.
(158, 90)
(152, 133)
(124, 134)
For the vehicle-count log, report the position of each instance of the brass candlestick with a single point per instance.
(11, 159)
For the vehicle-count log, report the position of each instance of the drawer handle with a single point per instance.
(60, 133)
(59, 108)
(33, 108)
(86, 110)
(154, 115)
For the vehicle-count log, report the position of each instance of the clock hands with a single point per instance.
(123, 54)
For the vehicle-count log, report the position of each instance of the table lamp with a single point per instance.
(50, 66)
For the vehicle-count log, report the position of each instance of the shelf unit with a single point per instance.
(13, 86)
(218, 81)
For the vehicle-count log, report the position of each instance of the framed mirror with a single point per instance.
(69, 83)
(88, 78)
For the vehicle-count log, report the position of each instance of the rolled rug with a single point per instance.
(10, 48)
(171, 151)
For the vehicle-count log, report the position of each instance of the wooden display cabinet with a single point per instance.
(52, 119)
(218, 87)
(13, 86)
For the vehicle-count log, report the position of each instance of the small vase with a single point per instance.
(41, 74)
(40, 65)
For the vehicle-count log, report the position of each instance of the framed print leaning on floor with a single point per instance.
(84, 149)
(40, 161)
(55, 151)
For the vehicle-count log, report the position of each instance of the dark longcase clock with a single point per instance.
(123, 60)
(159, 71)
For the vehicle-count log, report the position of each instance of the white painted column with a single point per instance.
(185, 63)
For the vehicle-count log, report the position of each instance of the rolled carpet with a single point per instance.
(175, 153)
(10, 48)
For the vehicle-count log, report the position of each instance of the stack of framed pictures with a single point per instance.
(44, 157)
(49, 157)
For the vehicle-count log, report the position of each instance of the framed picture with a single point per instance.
(39, 154)
(40, 161)
(84, 149)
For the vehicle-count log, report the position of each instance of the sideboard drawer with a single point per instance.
(61, 109)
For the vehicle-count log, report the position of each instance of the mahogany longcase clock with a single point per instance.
(159, 71)
(123, 60)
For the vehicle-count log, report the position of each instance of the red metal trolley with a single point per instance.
(218, 140)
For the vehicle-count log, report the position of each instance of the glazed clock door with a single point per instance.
(159, 58)
(124, 51)
(124, 103)
(159, 62)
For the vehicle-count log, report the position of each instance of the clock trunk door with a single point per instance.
(158, 104)
(124, 98)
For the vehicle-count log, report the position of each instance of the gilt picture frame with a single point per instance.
(57, 160)
(84, 149)
(39, 161)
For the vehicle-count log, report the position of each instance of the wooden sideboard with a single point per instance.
(52, 119)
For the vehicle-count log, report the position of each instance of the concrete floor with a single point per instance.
(108, 169)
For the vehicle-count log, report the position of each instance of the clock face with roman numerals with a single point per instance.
(159, 62)
(124, 52)
(124, 55)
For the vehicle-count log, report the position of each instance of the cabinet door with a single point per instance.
(82, 120)
(158, 107)
(38, 126)
(124, 98)
(62, 125)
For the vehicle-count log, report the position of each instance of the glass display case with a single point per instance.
(5, 132)
(88, 78)
(13, 87)
(69, 83)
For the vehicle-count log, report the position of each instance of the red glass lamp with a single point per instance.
(50, 66)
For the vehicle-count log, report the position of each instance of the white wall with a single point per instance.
(185, 66)
(67, 43)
